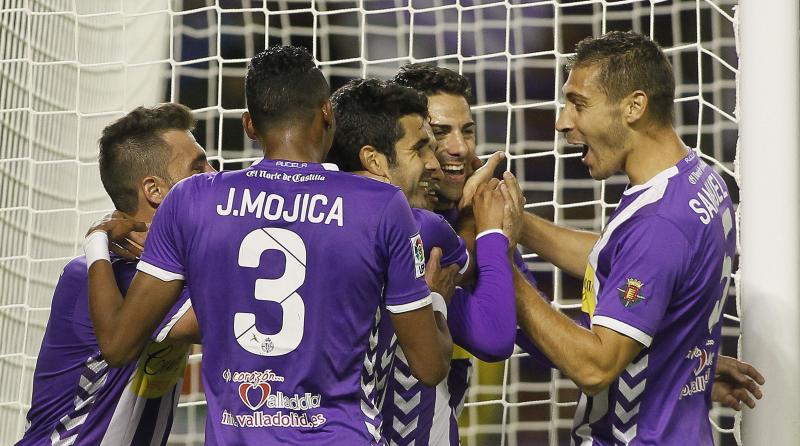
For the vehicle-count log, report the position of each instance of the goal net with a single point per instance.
(70, 67)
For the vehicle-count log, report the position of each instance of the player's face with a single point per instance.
(589, 119)
(454, 129)
(416, 170)
(188, 158)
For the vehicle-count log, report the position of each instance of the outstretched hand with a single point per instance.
(126, 236)
(441, 280)
(736, 382)
(480, 176)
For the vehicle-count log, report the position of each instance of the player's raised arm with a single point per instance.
(123, 326)
(484, 321)
(564, 247)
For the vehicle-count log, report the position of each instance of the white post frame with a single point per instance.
(769, 62)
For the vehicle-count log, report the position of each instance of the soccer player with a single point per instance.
(656, 279)
(287, 263)
(383, 133)
(448, 94)
(78, 398)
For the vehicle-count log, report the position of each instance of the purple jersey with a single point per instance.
(407, 405)
(659, 274)
(288, 264)
(482, 319)
(77, 398)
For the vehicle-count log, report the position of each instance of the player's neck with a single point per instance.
(295, 144)
(653, 152)
(368, 174)
(144, 213)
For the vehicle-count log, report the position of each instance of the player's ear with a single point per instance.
(328, 117)
(634, 106)
(154, 190)
(374, 161)
(249, 127)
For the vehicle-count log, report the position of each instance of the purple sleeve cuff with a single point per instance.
(484, 321)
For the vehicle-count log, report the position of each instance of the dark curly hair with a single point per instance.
(132, 148)
(627, 62)
(431, 80)
(368, 112)
(283, 87)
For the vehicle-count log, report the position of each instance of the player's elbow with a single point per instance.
(493, 349)
(116, 355)
(432, 373)
(593, 380)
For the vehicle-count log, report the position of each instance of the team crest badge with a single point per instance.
(631, 294)
(418, 252)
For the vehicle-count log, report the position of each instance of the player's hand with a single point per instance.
(736, 382)
(512, 211)
(488, 206)
(126, 236)
(441, 280)
(480, 176)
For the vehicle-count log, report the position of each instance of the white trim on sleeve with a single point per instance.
(490, 231)
(623, 328)
(466, 264)
(158, 273)
(173, 320)
(411, 306)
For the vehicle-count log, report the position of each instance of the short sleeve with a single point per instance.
(403, 252)
(437, 232)
(648, 260)
(162, 257)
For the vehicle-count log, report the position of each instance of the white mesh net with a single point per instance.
(70, 67)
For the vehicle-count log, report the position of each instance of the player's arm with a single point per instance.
(484, 321)
(186, 329)
(564, 247)
(429, 361)
(591, 358)
(123, 326)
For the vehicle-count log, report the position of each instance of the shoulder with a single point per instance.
(430, 221)
(364, 184)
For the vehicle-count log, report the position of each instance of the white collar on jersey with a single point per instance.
(662, 176)
(326, 166)
(330, 166)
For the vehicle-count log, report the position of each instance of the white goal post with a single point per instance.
(769, 33)
(69, 67)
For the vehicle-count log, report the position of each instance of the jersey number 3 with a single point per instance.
(282, 290)
(725, 280)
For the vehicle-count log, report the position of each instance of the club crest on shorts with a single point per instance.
(418, 252)
(631, 295)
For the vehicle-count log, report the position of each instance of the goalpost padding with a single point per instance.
(69, 68)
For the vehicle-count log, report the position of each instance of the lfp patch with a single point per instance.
(418, 252)
(631, 294)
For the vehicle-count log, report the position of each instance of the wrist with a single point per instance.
(95, 246)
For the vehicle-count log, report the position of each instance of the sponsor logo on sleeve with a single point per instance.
(588, 301)
(631, 293)
(257, 391)
(161, 366)
(418, 252)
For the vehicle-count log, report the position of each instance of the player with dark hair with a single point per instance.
(287, 293)
(448, 96)
(656, 279)
(78, 397)
(383, 133)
